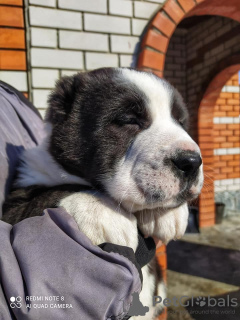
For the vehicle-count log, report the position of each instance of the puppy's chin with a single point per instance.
(148, 206)
(164, 224)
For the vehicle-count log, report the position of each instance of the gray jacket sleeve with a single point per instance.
(50, 270)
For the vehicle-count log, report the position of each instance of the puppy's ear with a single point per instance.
(61, 100)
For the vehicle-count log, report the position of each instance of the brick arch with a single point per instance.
(211, 91)
(155, 41)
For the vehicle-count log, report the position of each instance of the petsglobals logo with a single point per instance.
(201, 301)
(188, 301)
(15, 302)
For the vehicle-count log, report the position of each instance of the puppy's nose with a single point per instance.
(188, 162)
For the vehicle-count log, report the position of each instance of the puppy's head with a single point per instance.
(124, 131)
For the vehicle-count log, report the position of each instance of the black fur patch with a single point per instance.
(31, 201)
(87, 145)
(179, 110)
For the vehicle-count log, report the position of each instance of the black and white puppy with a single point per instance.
(116, 156)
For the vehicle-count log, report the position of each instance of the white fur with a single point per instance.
(101, 219)
(147, 294)
(158, 91)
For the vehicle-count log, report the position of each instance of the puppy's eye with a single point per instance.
(128, 121)
(181, 122)
(131, 121)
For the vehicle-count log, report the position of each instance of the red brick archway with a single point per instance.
(160, 29)
(224, 71)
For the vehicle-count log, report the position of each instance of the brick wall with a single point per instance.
(66, 36)
(214, 151)
(207, 44)
(226, 147)
(12, 44)
(175, 65)
(193, 52)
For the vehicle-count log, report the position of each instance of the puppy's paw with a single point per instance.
(101, 219)
(165, 226)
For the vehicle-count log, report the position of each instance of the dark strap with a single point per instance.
(127, 252)
(145, 251)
